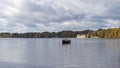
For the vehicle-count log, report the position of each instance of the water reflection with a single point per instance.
(50, 53)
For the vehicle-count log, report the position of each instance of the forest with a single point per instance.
(60, 34)
(111, 33)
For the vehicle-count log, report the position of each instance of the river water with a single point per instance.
(50, 53)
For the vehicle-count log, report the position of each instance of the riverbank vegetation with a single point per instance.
(113, 33)
(61, 34)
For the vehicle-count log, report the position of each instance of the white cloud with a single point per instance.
(112, 23)
(55, 15)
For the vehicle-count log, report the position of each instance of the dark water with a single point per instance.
(50, 53)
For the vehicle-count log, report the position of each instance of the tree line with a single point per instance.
(60, 34)
(112, 33)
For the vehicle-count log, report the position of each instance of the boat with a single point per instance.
(66, 41)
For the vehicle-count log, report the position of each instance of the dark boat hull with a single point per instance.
(66, 41)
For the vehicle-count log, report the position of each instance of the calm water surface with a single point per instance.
(50, 53)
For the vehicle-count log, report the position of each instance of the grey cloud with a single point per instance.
(55, 15)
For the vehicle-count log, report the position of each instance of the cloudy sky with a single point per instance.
(57, 15)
